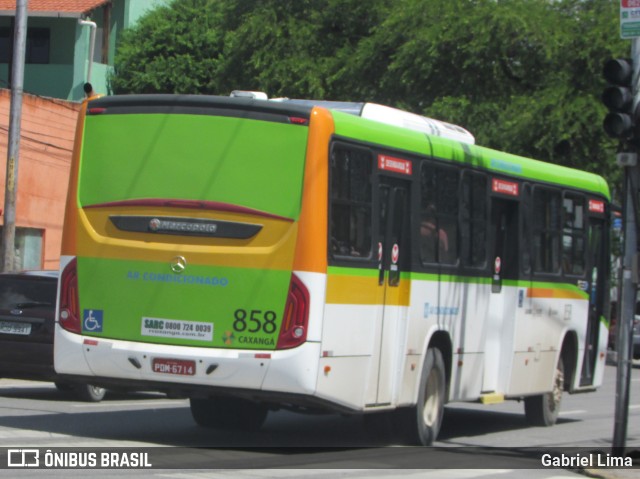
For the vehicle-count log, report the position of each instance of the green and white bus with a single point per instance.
(253, 254)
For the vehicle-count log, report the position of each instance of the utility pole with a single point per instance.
(629, 271)
(13, 150)
(627, 308)
(622, 98)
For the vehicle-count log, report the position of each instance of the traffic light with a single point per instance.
(620, 122)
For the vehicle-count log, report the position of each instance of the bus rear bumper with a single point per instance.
(132, 364)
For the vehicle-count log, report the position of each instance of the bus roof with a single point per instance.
(393, 116)
(451, 145)
(398, 138)
(197, 104)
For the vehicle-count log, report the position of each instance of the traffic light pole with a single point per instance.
(629, 282)
(626, 312)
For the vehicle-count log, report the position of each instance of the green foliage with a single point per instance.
(174, 49)
(523, 75)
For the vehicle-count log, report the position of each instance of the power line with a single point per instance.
(35, 140)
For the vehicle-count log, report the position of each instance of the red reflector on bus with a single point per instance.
(262, 356)
(90, 342)
(69, 315)
(293, 331)
(96, 111)
(296, 120)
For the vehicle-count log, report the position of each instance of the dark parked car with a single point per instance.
(27, 315)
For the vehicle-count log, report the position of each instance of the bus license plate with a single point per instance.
(7, 327)
(182, 367)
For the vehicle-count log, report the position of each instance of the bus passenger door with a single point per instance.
(393, 259)
(502, 303)
(598, 289)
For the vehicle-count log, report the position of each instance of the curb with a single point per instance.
(626, 473)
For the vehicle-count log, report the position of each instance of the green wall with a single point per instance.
(66, 73)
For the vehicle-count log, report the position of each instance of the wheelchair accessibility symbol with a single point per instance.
(92, 320)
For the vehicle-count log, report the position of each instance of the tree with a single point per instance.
(173, 49)
(523, 75)
(284, 47)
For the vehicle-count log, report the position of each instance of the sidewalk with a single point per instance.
(612, 358)
(627, 473)
(613, 473)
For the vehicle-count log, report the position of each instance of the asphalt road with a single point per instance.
(36, 415)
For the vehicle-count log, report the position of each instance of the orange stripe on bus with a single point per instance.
(69, 235)
(554, 293)
(311, 249)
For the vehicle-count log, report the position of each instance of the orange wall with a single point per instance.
(46, 143)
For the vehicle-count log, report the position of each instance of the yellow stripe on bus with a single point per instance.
(272, 248)
(342, 289)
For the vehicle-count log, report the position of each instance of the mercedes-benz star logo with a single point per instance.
(154, 224)
(178, 264)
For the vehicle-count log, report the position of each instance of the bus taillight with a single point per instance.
(293, 331)
(69, 309)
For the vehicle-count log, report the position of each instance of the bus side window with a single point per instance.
(438, 214)
(351, 202)
(429, 235)
(547, 228)
(525, 238)
(573, 235)
(474, 219)
(428, 218)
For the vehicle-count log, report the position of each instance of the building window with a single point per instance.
(28, 252)
(37, 47)
(5, 45)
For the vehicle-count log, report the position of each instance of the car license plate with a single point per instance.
(7, 327)
(182, 367)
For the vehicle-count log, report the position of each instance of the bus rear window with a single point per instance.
(250, 163)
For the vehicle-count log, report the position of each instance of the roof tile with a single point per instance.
(62, 6)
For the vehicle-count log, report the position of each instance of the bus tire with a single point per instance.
(421, 423)
(542, 410)
(228, 413)
(89, 392)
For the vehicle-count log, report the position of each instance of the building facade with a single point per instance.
(68, 40)
(46, 142)
(61, 34)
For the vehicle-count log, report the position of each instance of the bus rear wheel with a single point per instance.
(228, 413)
(90, 393)
(543, 409)
(421, 423)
